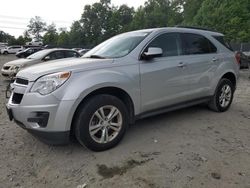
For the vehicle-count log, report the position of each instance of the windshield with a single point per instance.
(117, 46)
(38, 55)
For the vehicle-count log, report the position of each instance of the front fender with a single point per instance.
(83, 83)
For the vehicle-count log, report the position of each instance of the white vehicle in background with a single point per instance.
(35, 42)
(2, 46)
(11, 49)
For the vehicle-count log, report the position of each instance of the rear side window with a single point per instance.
(168, 42)
(71, 54)
(196, 44)
(221, 40)
(56, 55)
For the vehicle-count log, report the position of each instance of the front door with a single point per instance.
(164, 80)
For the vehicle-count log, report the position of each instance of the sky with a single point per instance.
(15, 14)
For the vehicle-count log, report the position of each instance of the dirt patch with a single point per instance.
(109, 172)
(189, 148)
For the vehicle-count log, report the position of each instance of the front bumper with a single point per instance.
(56, 128)
(8, 73)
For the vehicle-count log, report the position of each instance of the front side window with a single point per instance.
(196, 44)
(56, 55)
(168, 42)
(39, 54)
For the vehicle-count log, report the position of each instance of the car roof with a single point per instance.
(182, 30)
(61, 49)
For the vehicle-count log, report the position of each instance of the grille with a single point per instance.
(6, 67)
(17, 98)
(22, 81)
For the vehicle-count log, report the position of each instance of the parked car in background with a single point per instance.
(130, 76)
(2, 46)
(11, 68)
(27, 52)
(244, 59)
(34, 42)
(76, 49)
(11, 49)
(83, 51)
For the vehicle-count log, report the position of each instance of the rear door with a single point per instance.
(202, 58)
(11, 50)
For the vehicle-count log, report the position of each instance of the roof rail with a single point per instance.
(195, 27)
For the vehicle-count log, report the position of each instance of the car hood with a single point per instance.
(72, 64)
(20, 62)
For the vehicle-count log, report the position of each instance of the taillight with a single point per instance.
(237, 57)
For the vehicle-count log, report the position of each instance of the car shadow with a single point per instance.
(160, 123)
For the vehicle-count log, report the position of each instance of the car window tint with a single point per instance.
(168, 42)
(196, 44)
(56, 55)
(71, 54)
(223, 42)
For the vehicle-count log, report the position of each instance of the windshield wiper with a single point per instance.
(97, 56)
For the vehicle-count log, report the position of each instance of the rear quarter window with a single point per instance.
(221, 40)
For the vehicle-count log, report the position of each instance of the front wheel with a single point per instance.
(101, 122)
(223, 96)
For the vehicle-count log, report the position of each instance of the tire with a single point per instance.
(89, 114)
(5, 52)
(223, 97)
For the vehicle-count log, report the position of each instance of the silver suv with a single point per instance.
(128, 77)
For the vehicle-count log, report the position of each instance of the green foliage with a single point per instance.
(156, 13)
(63, 39)
(36, 27)
(227, 16)
(51, 35)
(101, 20)
(6, 38)
(191, 8)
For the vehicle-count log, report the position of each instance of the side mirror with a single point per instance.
(152, 52)
(47, 58)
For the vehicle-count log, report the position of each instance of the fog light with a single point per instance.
(41, 118)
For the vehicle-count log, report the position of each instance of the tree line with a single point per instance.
(101, 21)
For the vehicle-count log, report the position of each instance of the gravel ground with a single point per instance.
(193, 147)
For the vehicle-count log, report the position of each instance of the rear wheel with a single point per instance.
(223, 96)
(101, 122)
(5, 52)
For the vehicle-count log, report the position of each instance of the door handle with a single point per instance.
(182, 65)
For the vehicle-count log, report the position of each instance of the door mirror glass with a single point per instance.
(47, 58)
(152, 52)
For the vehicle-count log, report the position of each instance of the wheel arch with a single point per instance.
(114, 91)
(230, 76)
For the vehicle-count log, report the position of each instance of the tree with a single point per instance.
(36, 27)
(5, 37)
(156, 13)
(51, 35)
(63, 38)
(76, 35)
(95, 21)
(227, 16)
(26, 36)
(190, 9)
(120, 20)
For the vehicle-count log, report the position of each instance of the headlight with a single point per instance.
(15, 68)
(50, 83)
